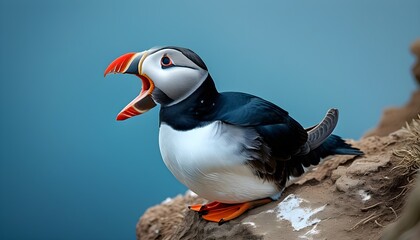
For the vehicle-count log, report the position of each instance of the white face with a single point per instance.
(173, 73)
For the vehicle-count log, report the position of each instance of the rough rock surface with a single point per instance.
(173, 220)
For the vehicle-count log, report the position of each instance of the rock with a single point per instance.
(352, 204)
(346, 184)
(395, 118)
(408, 226)
(162, 221)
(415, 49)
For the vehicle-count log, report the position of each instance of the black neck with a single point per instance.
(195, 110)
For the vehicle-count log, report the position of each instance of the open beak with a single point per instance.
(131, 63)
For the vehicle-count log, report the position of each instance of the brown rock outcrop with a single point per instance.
(415, 49)
(395, 118)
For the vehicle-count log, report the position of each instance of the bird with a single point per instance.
(234, 149)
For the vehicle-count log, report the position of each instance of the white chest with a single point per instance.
(210, 161)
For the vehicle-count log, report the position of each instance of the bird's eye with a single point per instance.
(166, 62)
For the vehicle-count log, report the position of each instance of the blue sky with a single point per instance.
(68, 170)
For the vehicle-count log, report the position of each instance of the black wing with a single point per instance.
(280, 135)
(280, 131)
(246, 110)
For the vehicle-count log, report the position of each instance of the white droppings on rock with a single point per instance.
(364, 195)
(250, 223)
(309, 234)
(300, 217)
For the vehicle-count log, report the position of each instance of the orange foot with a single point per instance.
(223, 212)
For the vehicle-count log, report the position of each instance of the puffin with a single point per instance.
(236, 150)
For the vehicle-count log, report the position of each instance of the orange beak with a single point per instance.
(131, 63)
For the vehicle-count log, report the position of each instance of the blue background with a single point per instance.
(68, 170)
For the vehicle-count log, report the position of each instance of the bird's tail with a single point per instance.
(319, 133)
(321, 144)
(336, 145)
